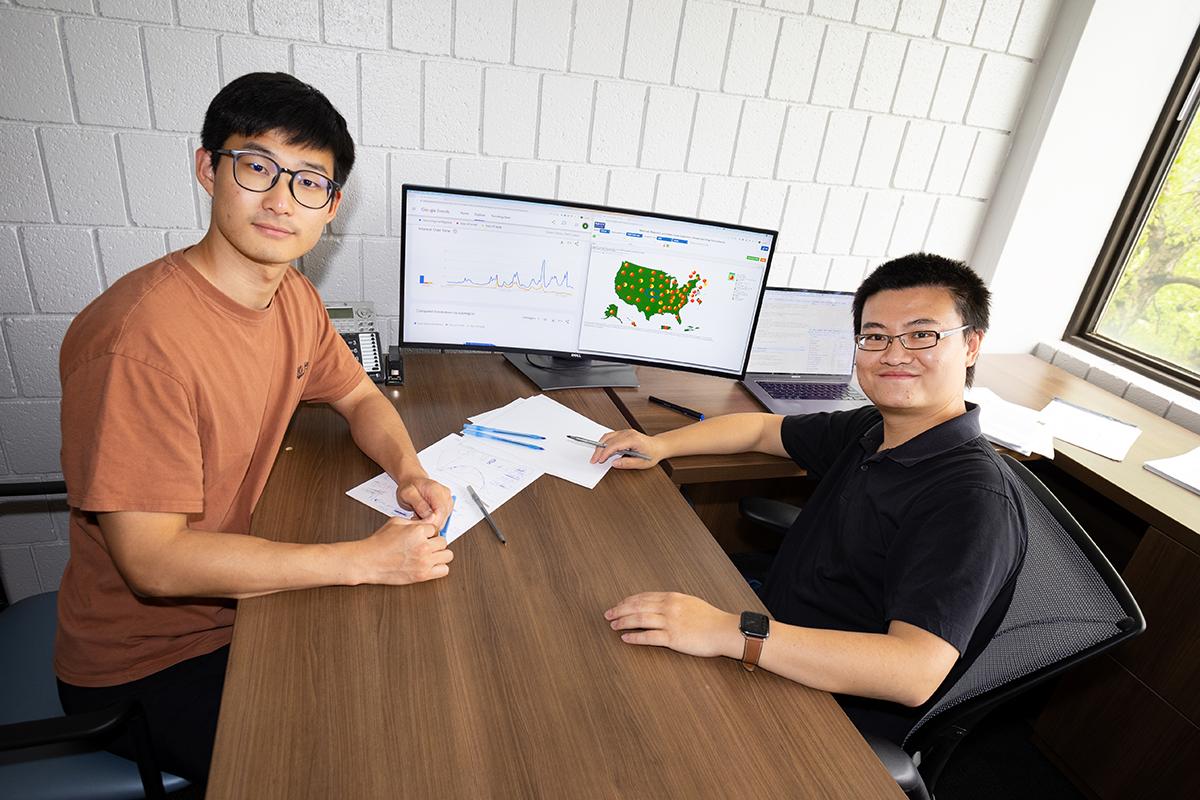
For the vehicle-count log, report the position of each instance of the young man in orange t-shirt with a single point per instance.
(178, 384)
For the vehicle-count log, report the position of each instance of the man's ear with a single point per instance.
(334, 204)
(206, 171)
(974, 343)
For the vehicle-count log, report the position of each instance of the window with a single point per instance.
(1141, 306)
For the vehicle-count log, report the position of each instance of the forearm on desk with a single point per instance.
(905, 665)
(159, 556)
(730, 433)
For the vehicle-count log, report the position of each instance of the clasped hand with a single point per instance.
(405, 551)
(426, 498)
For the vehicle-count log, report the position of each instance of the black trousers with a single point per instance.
(181, 704)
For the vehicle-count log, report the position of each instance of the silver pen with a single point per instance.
(486, 515)
(594, 443)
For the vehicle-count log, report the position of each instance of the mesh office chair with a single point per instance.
(44, 753)
(1069, 604)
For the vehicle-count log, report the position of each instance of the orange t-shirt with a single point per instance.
(175, 399)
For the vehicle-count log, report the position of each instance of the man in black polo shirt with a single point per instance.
(901, 566)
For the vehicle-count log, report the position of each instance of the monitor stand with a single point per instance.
(555, 372)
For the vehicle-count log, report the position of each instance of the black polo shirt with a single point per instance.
(930, 533)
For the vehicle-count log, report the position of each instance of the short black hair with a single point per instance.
(260, 102)
(971, 295)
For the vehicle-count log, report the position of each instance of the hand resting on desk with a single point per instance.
(405, 551)
(629, 440)
(681, 622)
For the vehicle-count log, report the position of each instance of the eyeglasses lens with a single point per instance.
(259, 173)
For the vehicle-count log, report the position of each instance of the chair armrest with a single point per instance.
(900, 766)
(75, 727)
(27, 489)
(774, 515)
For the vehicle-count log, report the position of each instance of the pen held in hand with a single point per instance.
(594, 443)
(446, 526)
(488, 517)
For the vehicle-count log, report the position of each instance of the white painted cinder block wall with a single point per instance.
(861, 130)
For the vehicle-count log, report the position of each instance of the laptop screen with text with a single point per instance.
(804, 332)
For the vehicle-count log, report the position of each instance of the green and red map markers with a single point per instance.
(652, 291)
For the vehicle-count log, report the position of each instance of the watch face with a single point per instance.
(755, 624)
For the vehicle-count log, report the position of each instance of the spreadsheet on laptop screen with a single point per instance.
(804, 333)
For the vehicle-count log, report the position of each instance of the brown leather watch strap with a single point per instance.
(751, 651)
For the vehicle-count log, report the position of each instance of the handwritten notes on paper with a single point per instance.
(454, 463)
(497, 470)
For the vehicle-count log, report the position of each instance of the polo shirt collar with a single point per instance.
(933, 442)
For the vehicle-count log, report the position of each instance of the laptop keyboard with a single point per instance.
(810, 391)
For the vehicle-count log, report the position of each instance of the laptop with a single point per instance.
(802, 359)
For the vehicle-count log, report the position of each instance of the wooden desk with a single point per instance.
(711, 396)
(1175, 511)
(504, 680)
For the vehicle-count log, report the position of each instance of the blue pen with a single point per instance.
(442, 532)
(473, 427)
(481, 435)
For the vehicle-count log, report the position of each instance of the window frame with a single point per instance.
(1172, 124)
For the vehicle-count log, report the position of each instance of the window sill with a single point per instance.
(1156, 398)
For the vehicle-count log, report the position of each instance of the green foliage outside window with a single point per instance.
(1155, 307)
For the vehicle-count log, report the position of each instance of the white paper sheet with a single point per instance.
(1011, 425)
(455, 462)
(1090, 430)
(561, 457)
(1183, 470)
(482, 418)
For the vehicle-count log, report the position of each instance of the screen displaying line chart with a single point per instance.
(518, 274)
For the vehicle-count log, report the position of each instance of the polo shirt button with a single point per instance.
(863, 468)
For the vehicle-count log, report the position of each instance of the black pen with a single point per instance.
(486, 515)
(675, 407)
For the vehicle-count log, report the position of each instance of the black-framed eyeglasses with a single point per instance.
(913, 340)
(256, 172)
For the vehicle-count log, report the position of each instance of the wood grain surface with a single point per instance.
(504, 679)
(710, 396)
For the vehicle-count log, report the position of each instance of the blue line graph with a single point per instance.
(540, 282)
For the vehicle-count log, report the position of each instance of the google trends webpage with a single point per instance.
(520, 275)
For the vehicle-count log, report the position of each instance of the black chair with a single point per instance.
(1069, 604)
(44, 753)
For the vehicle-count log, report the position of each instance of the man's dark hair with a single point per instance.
(971, 296)
(275, 101)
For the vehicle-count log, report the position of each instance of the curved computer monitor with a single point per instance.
(565, 289)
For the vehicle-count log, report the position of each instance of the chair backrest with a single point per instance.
(1068, 605)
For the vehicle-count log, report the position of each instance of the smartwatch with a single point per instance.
(755, 629)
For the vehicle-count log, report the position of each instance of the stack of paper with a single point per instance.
(1183, 469)
(455, 463)
(1016, 427)
(495, 469)
(562, 457)
(1090, 430)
